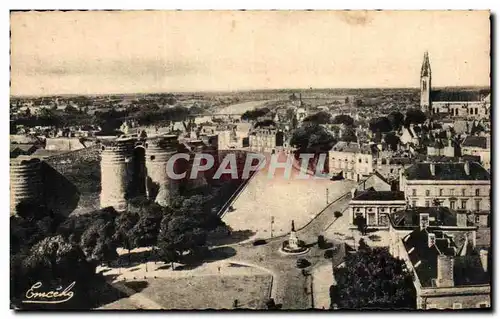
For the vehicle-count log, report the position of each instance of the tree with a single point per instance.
(265, 123)
(97, 241)
(145, 232)
(123, 226)
(397, 119)
(392, 140)
(373, 279)
(362, 245)
(180, 234)
(252, 115)
(349, 135)
(54, 262)
(319, 118)
(343, 119)
(360, 222)
(380, 124)
(311, 138)
(414, 116)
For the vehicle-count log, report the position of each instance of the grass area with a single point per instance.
(208, 292)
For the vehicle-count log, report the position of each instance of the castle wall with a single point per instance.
(116, 166)
(25, 181)
(158, 186)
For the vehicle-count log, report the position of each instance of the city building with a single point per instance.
(446, 274)
(478, 146)
(455, 103)
(353, 160)
(265, 139)
(457, 185)
(457, 224)
(375, 206)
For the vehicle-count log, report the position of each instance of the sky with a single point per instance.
(174, 51)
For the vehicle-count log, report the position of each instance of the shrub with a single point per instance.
(337, 214)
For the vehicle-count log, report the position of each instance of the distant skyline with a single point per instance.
(188, 51)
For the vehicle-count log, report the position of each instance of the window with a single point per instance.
(427, 192)
(427, 204)
(359, 160)
(464, 204)
(440, 192)
(383, 220)
(483, 305)
(477, 219)
(478, 204)
(452, 192)
(452, 204)
(457, 305)
(371, 219)
(477, 192)
(463, 192)
(414, 203)
(414, 192)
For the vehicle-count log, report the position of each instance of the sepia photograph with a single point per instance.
(320, 160)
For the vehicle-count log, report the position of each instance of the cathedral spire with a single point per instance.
(426, 65)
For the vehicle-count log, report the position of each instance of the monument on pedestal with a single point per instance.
(293, 241)
(293, 245)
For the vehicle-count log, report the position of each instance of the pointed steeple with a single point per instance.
(426, 65)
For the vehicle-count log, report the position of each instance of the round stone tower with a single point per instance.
(25, 181)
(158, 185)
(116, 166)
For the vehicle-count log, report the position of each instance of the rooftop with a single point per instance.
(467, 267)
(450, 95)
(475, 141)
(447, 171)
(380, 195)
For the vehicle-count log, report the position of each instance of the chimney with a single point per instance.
(483, 254)
(445, 271)
(467, 168)
(424, 220)
(433, 169)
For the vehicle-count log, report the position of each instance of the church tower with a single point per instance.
(425, 84)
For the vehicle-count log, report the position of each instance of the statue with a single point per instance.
(293, 241)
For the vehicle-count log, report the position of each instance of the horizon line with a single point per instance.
(240, 91)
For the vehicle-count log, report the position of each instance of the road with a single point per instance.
(293, 290)
(269, 203)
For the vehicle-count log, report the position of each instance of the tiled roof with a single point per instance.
(380, 195)
(449, 95)
(475, 141)
(447, 171)
(467, 269)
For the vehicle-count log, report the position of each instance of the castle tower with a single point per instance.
(25, 181)
(425, 84)
(159, 187)
(116, 166)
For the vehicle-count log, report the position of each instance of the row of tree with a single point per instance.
(253, 115)
(57, 251)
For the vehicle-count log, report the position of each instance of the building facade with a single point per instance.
(375, 206)
(353, 160)
(464, 185)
